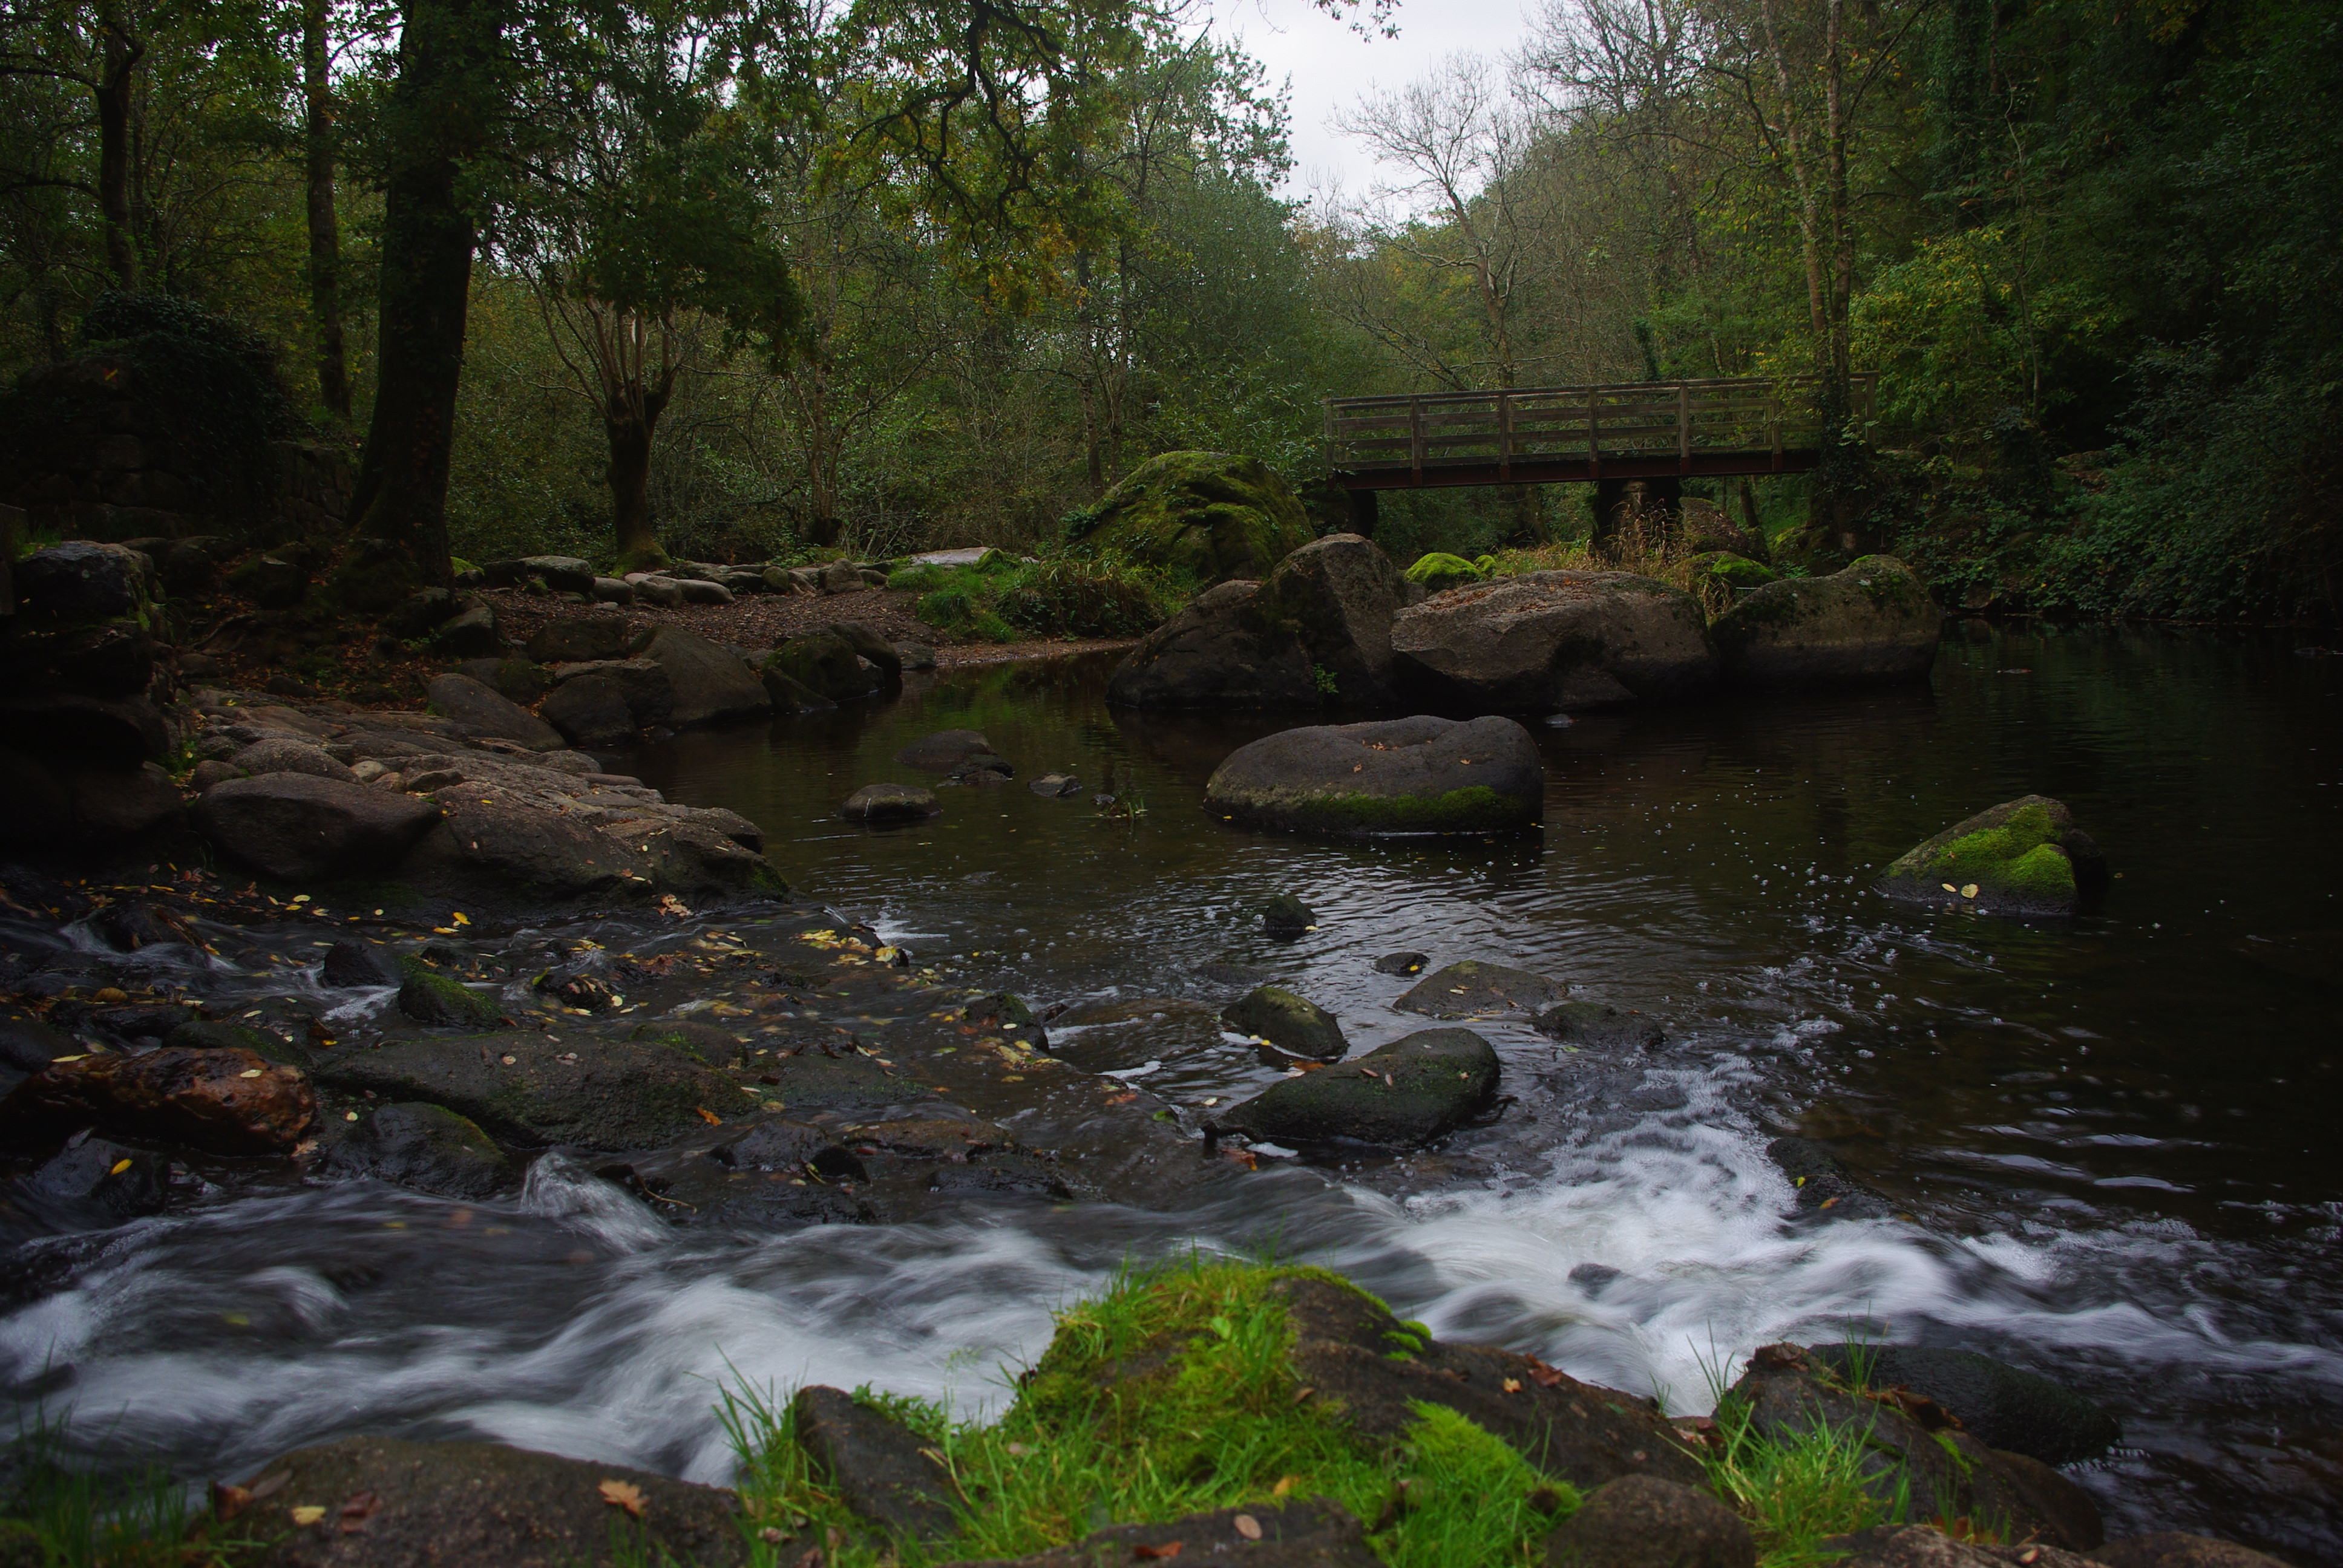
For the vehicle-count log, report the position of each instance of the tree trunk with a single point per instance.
(630, 474)
(325, 226)
(122, 53)
(428, 240)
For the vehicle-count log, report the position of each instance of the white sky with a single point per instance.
(1329, 66)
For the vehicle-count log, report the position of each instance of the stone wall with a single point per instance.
(105, 465)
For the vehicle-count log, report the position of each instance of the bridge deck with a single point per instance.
(1550, 435)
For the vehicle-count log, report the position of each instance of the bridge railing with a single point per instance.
(1751, 425)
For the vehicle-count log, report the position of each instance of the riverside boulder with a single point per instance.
(1405, 1094)
(641, 684)
(425, 1147)
(591, 711)
(1871, 624)
(1288, 1022)
(2003, 1406)
(522, 1088)
(1552, 641)
(387, 1503)
(480, 713)
(1418, 775)
(1216, 652)
(2022, 856)
(1338, 595)
(299, 828)
(1211, 516)
(711, 685)
(824, 663)
(1476, 990)
(224, 1101)
(1643, 1522)
(577, 639)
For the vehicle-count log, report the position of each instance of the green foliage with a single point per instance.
(1065, 595)
(1209, 1422)
(68, 1517)
(1799, 1492)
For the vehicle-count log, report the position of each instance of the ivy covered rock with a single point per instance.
(1872, 624)
(1210, 515)
(1436, 571)
(1552, 641)
(1417, 775)
(2022, 856)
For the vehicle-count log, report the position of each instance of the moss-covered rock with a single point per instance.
(823, 663)
(203, 1035)
(1437, 571)
(1417, 775)
(425, 1147)
(2022, 856)
(1723, 572)
(428, 997)
(1210, 515)
(1288, 1022)
(1871, 624)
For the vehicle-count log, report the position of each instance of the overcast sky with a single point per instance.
(1329, 66)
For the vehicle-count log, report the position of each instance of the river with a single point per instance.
(2105, 1143)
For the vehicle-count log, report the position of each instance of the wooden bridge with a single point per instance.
(1553, 435)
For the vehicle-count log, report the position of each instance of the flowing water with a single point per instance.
(2105, 1143)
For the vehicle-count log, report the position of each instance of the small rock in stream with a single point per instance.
(875, 804)
(1287, 917)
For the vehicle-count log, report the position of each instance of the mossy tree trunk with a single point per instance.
(121, 51)
(325, 226)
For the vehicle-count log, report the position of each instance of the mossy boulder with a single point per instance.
(824, 663)
(430, 996)
(425, 1147)
(1289, 1021)
(223, 1036)
(1872, 624)
(1403, 1095)
(1723, 572)
(1436, 571)
(1417, 775)
(2022, 856)
(1208, 516)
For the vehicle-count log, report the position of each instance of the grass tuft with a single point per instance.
(1065, 595)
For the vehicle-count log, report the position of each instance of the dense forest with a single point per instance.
(760, 280)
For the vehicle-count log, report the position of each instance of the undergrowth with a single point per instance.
(1002, 599)
(55, 1515)
(1203, 1417)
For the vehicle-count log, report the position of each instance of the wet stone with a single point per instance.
(1400, 964)
(881, 803)
(1595, 1026)
(883, 1470)
(1474, 989)
(425, 1147)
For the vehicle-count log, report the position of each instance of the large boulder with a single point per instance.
(277, 754)
(81, 580)
(1339, 596)
(562, 574)
(824, 663)
(1219, 652)
(387, 1503)
(1871, 624)
(473, 633)
(223, 1102)
(425, 1147)
(482, 713)
(711, 685)
(1406, 1093)
(867, 644)
(299, 828)
(590, 712)
(1643, 1522)
(1559, 639)
(641, 684)
(525, 1088)
(1210, 515)
(1418, 775)
(2022, 856)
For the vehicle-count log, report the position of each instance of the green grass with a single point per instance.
(1201, 1416)
(58, 1516)
(1066, 595)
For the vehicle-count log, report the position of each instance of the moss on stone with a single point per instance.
(430, 996)
(1439, 571)
(1724, 569)
(2020, 856)
(1477, 809)
(1208, 516)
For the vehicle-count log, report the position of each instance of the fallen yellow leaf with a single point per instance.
(623, 1494)
(119, 1167)
(250, 1072)
(1970, 892)
(1512, 1385)
(307, 1513)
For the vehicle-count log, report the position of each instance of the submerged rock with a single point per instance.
(1418, 775)
(2022, 856)
(1822, 1181)
(1404, 1094)
(880, 803)
(385, 1503)
(1560, 639)
(1643, 1522)
(1475, 989)
(223, 1102)
(425, 1147)
(1288, 1022)
(1593, 1024)
(1871, 624)
(943, 751)
(1402, 963)
(1210, 515)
